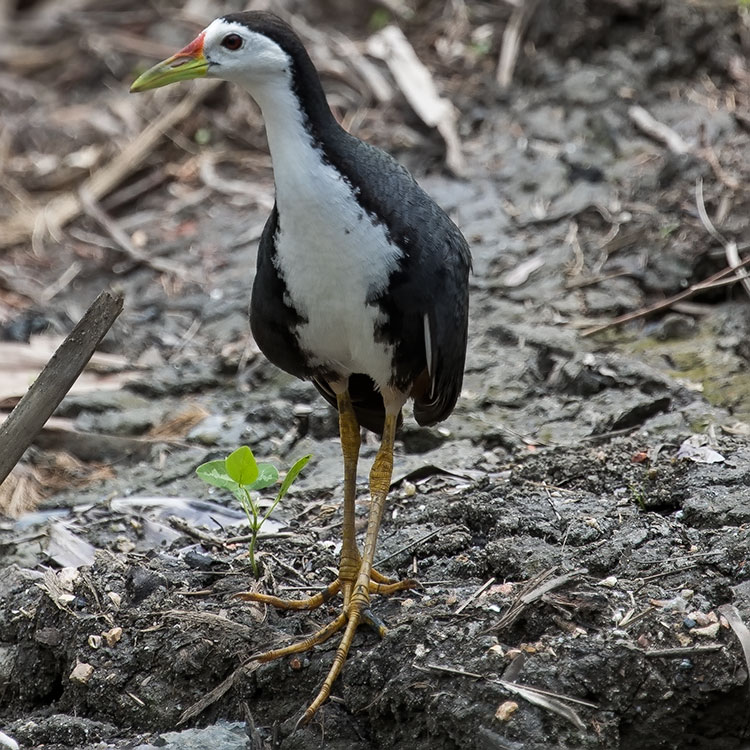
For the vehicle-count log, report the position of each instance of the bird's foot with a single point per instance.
(379, 584)
(355, 611)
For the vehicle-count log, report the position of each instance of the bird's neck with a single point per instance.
(299, 128)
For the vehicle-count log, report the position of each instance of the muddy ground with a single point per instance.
(580, 525)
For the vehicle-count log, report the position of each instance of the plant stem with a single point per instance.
(254, 527)
(253, 562)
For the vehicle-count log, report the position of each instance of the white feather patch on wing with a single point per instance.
(428, 351)
(427, 343)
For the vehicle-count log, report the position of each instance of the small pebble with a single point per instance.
(81, 673)
(123, 544)
(115, 598)
(710, 631)
(701, 618)
(505, 710)
(112, 636)
(198, 561)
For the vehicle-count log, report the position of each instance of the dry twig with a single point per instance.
(66, 207)
(218, 692)
(717, 279)
(658, 130)
(55, 380)
(442, 531)
(731, 249)
(94, 210)
(205, 537)
(533, 591)
(475, 595)
(539, 697)
(733, 617)
(678, 145)
(512, 38)
(418, 86)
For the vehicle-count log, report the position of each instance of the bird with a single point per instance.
(361, 286)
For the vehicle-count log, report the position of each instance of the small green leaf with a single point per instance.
(215, 473)
(203, 136)
(241, 466)
(291, 475)
(379, 20)
(267, 475)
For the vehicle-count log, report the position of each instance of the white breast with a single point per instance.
(333, 258)
(331, 255)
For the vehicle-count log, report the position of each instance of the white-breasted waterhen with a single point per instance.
(361, 284)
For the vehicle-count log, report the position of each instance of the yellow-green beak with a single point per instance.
(188, 63)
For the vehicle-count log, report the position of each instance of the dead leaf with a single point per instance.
(520, 273)
(20, 364)
(696, 449)
(418, 86)
(68, 549)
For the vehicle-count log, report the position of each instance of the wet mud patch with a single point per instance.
(636, 616)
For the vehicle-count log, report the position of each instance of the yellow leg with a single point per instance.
(305, 645)
(357, 578)
(349, 561)
(350, 442)
(312, 602)
(380, 482)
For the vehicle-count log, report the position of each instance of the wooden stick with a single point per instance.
(512, 38)
(730, 247)
(709, 283)
(658, 130)
(479, 591)
(55, 380)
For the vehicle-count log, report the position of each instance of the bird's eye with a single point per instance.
(232, 41)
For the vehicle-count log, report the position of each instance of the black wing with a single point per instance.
(427, 299)
(272, 321)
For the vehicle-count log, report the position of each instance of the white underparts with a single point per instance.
(331, 255)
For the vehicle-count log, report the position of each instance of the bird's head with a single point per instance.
(241, 47)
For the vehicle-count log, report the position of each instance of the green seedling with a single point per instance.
(244, 477)
(638, 495)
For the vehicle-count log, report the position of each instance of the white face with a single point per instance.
(234, 53)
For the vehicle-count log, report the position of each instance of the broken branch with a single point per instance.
(55, 380)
